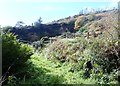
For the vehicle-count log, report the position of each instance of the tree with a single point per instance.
(19, 24)
(118, 29)
(7, 28)
(1, 30)
(40, 20)
(14, 55)
(38, 23)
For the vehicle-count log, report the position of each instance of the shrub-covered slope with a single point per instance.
(91, 56)
(92, 22)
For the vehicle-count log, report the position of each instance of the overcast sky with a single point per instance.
(29, 11)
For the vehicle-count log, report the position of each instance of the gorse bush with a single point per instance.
(57, 51)
(79, 22)
(14, 54)
(91, 17)
(83, 29)
(102, 53)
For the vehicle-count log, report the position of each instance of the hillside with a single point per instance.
(83, 49)
(105, 20)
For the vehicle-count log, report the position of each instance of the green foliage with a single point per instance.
(44, 71)
(7, 28)
(67, 59)
(14, 54)
(102, 52)
(106, 55)
(91, 17)
(69, 63)
(83, 29)
(12, 81)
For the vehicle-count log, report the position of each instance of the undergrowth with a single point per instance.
(65, 62)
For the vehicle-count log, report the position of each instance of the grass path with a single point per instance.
(49, 72)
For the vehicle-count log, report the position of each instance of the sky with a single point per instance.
(29, 11)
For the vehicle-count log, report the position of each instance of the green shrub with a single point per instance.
(83, 29)
(105, 59)
(102, 52)
(12, 81)
(106, 54)
(91, 17)
(14, 54)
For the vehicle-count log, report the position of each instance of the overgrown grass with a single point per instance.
(44, 71)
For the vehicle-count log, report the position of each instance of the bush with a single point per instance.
(102, 52)
(14, 54)
(91, 17)
(106, 54)
(79, 22)
(83, 29)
